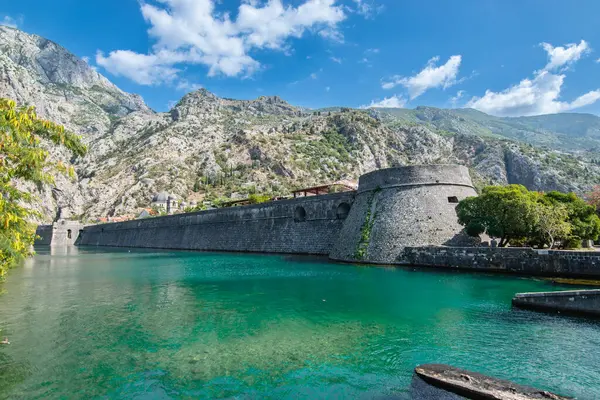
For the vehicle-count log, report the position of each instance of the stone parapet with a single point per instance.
(583, 302)
(521, 261)
(307, 225)
(400, 207)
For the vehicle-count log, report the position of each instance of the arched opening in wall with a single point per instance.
(300, 214)
(452, 199)
(342, 211)
(68, 234)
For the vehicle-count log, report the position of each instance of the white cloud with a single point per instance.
(193, 32)
(336, 60)
(187, 86)
(367, 8)
(540, 94)
(598, 61)
(564, 56)
(388, 102)
(372, 51)
(86, 59)
(144, 69)
(536, 96)
(11, 22)
(332, 34)
(314, 75)
(327, 88)
(455, 99)
(430, 77)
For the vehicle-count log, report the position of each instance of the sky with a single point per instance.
(503, 57)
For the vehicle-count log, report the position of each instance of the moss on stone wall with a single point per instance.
(366, 228)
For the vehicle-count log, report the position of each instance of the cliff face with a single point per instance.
(208, 146)
(63, 87)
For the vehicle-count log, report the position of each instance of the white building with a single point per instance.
(165, 201)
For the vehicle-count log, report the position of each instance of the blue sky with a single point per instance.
(504, 57)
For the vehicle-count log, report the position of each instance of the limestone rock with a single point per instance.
(211, 146)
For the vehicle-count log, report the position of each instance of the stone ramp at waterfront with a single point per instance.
(574, 302)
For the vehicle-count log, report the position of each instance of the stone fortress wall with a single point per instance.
(392, 208)
(406, 206)
(401, 216)
(512, 260)
(307, 225)
(60, 233)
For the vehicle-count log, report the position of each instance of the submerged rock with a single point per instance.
(477, 386)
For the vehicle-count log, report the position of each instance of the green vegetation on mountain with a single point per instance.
(575, 132)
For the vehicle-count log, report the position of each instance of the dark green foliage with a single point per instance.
(582, 217)
(516, 215)
(505, 212)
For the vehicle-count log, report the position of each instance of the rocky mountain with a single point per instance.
(572, 131)
(208, 147)
(63, 87)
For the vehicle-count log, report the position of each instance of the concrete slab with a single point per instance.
(574, 302)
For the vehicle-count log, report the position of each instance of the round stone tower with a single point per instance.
(404, 207)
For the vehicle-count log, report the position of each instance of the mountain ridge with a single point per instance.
(208, 147)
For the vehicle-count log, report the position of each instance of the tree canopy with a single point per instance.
(514, 214)
(593, 198)
(505, 212)
(581, 216)
(24, 157)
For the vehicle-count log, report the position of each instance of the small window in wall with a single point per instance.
(68, 234)
(300, 214)
(452, 199)
(342, 211)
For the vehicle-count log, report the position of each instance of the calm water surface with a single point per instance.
(146, 324)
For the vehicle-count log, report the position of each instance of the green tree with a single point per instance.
(552, 224)
(585, 224)
(23, 158)
(506, 212)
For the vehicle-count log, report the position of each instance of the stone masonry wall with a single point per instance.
(406, 206)
(586, 302)
(274, 227)
(522, 261)
(44, 233)
(60, 233)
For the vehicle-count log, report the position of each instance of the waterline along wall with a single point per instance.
(512, 260)
(392, 208)
(307, 225)
(400, 207)
(578, 302)
(403, 216)
(60, 233)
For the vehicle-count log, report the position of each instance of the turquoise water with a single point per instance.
(148, 324)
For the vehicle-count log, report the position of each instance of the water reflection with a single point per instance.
(120, 324)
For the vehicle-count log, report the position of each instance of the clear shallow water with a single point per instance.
(145, 324)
